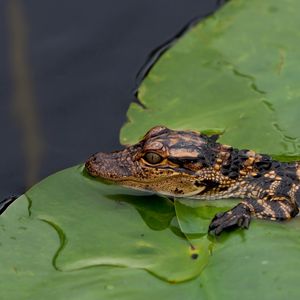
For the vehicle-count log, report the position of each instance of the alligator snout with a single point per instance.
(93, 164)
(115, 166)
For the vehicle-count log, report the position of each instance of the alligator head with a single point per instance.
(169, 162)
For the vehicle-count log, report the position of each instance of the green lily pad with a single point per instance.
(102, 227)
(264, 256)
(260, 262)
(70, 223)
(194, 216)
(237, 72)
(27, 271)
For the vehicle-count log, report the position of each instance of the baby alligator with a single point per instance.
(192, 165)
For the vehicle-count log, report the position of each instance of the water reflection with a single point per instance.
(23, 100)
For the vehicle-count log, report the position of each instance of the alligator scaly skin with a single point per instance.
(191, 164)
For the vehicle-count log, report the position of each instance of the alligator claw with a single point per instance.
(239, 216)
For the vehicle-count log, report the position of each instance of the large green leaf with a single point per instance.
(261, 262)
(237, 72)
(28, 248)
(74, 237)
(70, 227)
(103, 220)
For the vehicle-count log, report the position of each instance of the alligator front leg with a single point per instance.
(278, 208)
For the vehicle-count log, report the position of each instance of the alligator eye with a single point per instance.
(152, 158)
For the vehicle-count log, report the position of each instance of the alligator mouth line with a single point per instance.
(135, 180)
(168, 194)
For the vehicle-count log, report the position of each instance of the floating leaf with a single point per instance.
(70, 222)
(237, 72)
(27, 270)
(194, 216)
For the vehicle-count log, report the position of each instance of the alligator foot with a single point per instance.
(239, 216)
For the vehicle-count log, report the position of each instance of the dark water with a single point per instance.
(68, 73)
